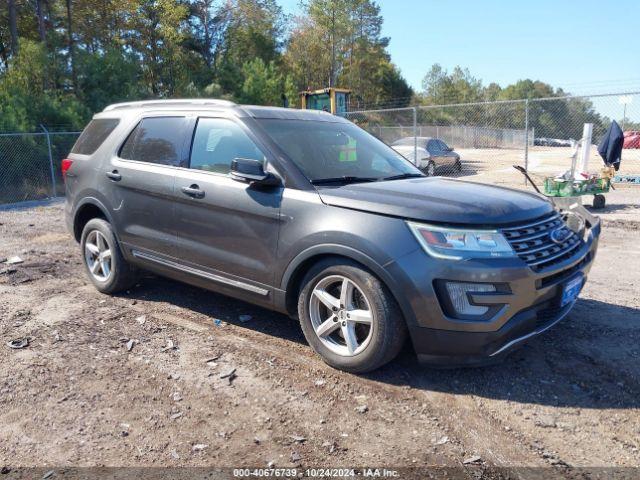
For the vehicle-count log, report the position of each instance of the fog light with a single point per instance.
(460, 300)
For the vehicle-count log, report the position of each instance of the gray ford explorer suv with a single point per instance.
(305, 213)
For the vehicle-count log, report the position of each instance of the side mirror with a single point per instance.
(252, 171)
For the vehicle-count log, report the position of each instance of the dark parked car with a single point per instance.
(433, 154)
(305, 213)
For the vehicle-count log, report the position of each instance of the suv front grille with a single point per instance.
(532, 242)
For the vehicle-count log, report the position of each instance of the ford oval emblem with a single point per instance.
(559, 235)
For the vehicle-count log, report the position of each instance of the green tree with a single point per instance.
(263, 83)
(24, 105)
(339, 42)
(306, 56)
(528, 89)
(440, 87)
(208, 22)
(109, 77)
(393, 86)
(157, 34)
(255, 29)
(332, 17)
(291, 93)
(562, 118)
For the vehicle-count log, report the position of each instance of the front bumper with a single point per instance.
(448, 348)
(530, 305)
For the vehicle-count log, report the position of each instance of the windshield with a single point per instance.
(334, 151)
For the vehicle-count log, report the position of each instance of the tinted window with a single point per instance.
(93, 135)
(335, 149)
(442, 145)
(217, 142)
(156, 140)
(432, 146)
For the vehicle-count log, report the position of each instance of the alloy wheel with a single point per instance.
(341, 315)
(97, 255)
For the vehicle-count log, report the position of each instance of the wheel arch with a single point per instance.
(86, 210)
(296, 270)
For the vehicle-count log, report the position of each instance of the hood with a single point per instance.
(439, 200)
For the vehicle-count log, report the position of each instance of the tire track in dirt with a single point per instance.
(471, 431)
(472, 408)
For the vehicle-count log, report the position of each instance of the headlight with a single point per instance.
(458, 244)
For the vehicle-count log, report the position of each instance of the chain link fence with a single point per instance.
(30, 164)
(487, 138)
(490, 137)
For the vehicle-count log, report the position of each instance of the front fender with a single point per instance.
(323, 250)
(329, 249)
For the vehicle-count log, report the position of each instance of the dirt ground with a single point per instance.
(495, 165)
(136, 379)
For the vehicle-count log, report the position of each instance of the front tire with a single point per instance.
(103, 261)
(349, 317)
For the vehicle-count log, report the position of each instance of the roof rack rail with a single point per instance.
(176, 102)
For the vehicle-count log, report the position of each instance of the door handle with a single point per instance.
(114, 175)
(193, 191)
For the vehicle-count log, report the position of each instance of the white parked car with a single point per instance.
(433, 154)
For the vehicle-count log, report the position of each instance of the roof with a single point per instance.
(291, 114)
(186, 102)
(243, 110)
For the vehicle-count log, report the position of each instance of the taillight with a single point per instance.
(66, 165)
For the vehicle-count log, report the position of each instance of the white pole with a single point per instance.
(624, 100)
(583, 165)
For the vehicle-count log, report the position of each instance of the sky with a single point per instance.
(582, 46)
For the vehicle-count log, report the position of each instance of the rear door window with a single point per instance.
(217, 142)
(94, 134)
(157, 140)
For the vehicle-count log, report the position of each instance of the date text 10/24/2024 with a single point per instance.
(316, 472)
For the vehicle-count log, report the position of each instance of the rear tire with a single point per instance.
(103, 261)
(458, 166)
(363, 329)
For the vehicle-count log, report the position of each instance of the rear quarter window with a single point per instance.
(94, 135)
(157, 140)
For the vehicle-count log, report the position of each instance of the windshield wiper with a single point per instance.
(344, 179)
(404, 175)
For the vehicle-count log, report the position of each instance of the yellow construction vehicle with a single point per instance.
(333, 100)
